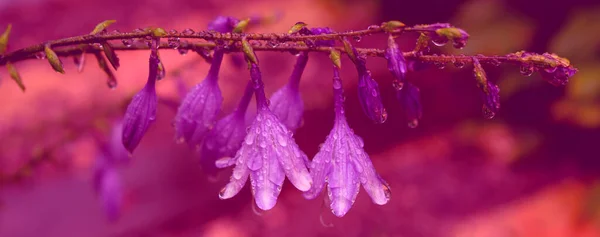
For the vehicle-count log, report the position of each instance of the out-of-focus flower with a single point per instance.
(286, 103)
(227, 135)
(223, 24)
(343, 164)
(141, 111)
(268, 154)
(200, 107)
(410, 100)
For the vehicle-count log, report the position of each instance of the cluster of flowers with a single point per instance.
(265, 150)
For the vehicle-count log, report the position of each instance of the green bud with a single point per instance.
(335, 57)
(103, 25)
(53, 59)
(4, 39)
(14, 74)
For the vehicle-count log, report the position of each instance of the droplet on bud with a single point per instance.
(459, 64)
(459, 43)
(182, 51)
(487, 113)
(173, 42)
(357, 38)
(439, 41)
(127, 42)
(527, 69)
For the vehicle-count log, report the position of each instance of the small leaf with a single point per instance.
(241, 26)
(103, 25)
(248, 51)
(111, 81)
(14, 74)
(392, 25)
(334, 55)
(159, 32)
(111, 55)
(53, 59)
(297, 27)
(4, 39)
(349, 50)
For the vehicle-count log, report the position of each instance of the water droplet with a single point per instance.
(337, 84)
(439, 41)
(112, 84)
(173, 42)
(127, 42)
(182, 51)
(40, 55)
(282, 141)
(222, 192)
(459, 43)
(387, 191)
(357, 38)
(439, 65)
(413, 124)
(397, 84)
(526, 69)
(495, 62)
(373, 27)
(249, 140)
(374, 92)
(550, 69)
(487, 113)
(173, 32)
(263, 144)
(459, 64)
(188, 32)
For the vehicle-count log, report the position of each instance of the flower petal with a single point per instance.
(141, 113)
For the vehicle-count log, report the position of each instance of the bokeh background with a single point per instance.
(533, 170)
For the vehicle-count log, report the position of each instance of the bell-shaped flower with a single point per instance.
(141, 111)
(227, 135)
(200, 107)
(267, 155)
(286, 103)
(490, 93)
(343, 165)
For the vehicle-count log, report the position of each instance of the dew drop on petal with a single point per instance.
(282, 141)
(413, 124)
(337, 84)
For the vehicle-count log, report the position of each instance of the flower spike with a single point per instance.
(141, 111)
(286, 103)
(343, 164)
(267, 155)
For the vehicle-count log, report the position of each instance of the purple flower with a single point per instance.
(343, 164)
(558, 76)
(396, 62)
(141, 111)
(368, 94)
(286, 103)
(490, 93)
(227, 135)
(200, 107)
(410, 100)
(223, 24)
(320, 31)
(268, 154)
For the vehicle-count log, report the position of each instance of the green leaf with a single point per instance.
(14, 74)
(103, 25)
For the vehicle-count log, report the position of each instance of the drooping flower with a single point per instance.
(141, 111)
(267, 155)
(200, 107)
(369, 95)
(490, 93)
(409, 97)
(396, 62)
(227, 135)
(106, 180)
(344, 165)
(286, 103)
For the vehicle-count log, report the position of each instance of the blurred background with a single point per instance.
(533, 170)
